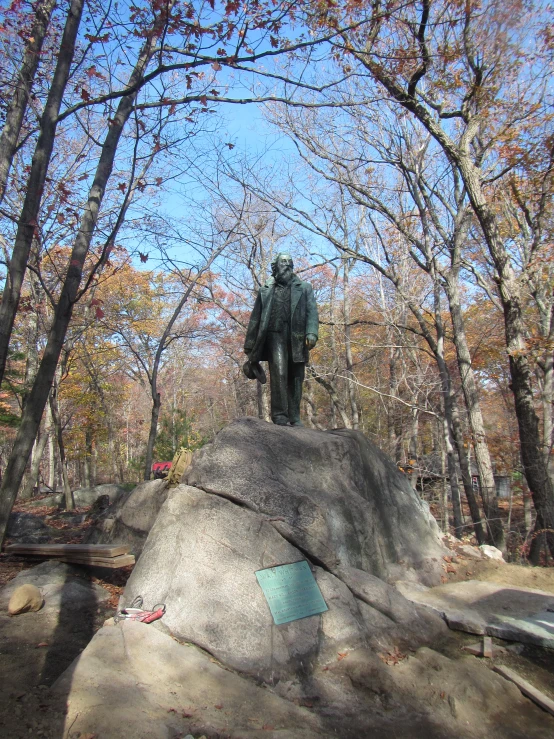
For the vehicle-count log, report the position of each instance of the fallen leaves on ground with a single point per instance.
(393, 657)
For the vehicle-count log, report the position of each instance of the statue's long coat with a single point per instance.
(304, 320)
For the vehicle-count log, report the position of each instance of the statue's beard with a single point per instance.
(284, 275)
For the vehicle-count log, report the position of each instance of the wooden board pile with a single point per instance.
(94, 555)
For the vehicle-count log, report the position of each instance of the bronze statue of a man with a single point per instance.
(283, 328)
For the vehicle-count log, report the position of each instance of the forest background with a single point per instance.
(401, 152)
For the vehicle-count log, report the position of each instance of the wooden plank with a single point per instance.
(487, 646)
(526, 688)
(61, 550)
(475, 649)
(123, 560)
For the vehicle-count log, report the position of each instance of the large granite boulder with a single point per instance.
(332, 494)
(132, 680)
(200, 559)
(216, 664)
(26, 528)
(87, 496)
(129, 519)
(265, 496)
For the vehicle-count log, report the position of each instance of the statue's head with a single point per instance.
(282, 266)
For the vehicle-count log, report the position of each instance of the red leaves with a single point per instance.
(97, 39)
(85, 94)
(60, 218)
(204, 101)
(143, 257)
(122, 186)
(64, 191)
(216, 66)
(93, 72)
(99, 313)
(231, 146)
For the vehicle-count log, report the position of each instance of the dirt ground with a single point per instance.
(27, 708)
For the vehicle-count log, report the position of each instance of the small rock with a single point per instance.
(491, 552)
(25, 598)
(27, 528)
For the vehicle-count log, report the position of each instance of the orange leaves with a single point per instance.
(393, 657)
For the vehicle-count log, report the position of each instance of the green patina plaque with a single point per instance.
(291, 592)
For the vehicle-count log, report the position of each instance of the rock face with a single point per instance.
(130, 518)
(212, 596)
(514, 614)
(154, 688)
(258, 497)
(332, 494)
(27, 528)
(88, 496)
(266, 496)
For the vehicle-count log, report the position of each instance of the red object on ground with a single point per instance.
(161, 469)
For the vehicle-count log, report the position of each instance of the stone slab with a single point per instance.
(515, 614)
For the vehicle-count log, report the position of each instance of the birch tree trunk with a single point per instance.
(471, 396)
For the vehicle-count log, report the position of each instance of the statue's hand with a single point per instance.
(311, 340)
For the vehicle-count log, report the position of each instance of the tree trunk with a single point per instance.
(413, 450)
(156, 404)
(88, 458)
(32, 479)
(547, 399)
(69, 503)
(38, 396)
(465, 469)
(350, 384)
(510, 292)
(51, 449)
(446, 386)
(471, 397)
(336, 402)
(27, 224)
(22, 89)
